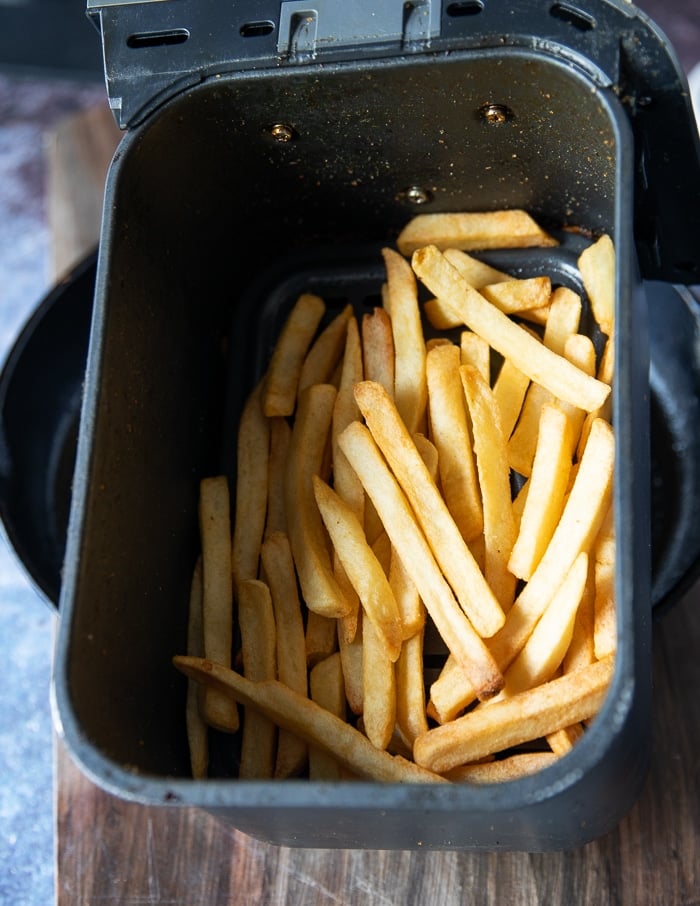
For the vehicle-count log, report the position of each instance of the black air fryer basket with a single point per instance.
(273, 147)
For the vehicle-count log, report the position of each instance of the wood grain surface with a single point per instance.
(111, 851)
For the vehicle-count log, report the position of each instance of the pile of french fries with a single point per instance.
(434, 467)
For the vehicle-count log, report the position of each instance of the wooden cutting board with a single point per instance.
(109, 850)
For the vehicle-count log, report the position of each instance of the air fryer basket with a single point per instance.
(211, 226)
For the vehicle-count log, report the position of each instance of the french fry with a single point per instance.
(475, 271)
(253, 452)
(310, 434)
(408, 600)
(282, 379)
(450, 433)
(320, 637)
(304, 718)
(197, 731)
(350, 651)
(280, 438)
(513, 721)
(448, 546)
(515, 296)
(503, 769)
(605, 626)
(410, 389)
(581, 651)
(597, 266)
(378, 349)
(509, 389)
(292, 753)
(564, 319)
(407, 538)
(541, 365)
(345, 481)
(327, 690)
(545, 649)
(473, 231)
(475, 351)
(494, 480)
(378, 688)
(217, 594)
(411, 715)
(361, 566)
(548, 485)
(562, 741)
(322, 358)
(258, 646)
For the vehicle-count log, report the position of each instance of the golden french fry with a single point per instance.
(450, 433)
(476, 272)
(502, 769)
(378, 349)
(315, 725)
(280, 438)
(277, 561)
(411, 715)
(515, 296)
(473, 231)
(410, 389)
(408, 600)
(449, 548)
(597, 266)
(322, 358)
(217, 594)
(258, 647)
(564, 319)
(320, 636)
(563, 741)
(509, 389)
(345, 482)
(350, 651)
(252, 463)
(513, 721)
(197, 731)
(494, 480)
(545, 649)
(410, 544)
(310, 433)
(361, 566)
(282, 379)
(605, 626)
(522, 445)
(541, 365)
(581, 650)
(546, 491)
(475, 351)
(605, 373)
(378, 688)
(327, 690)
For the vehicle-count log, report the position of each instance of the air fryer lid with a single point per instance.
(154, 50)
